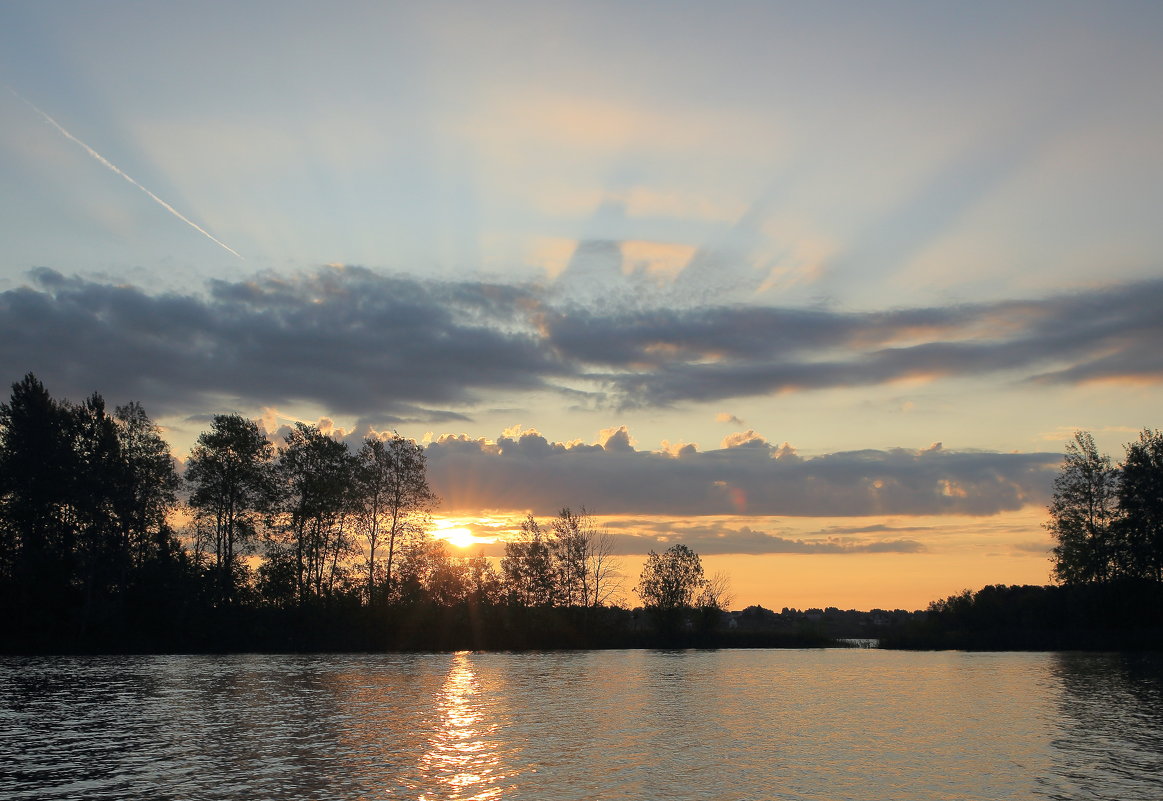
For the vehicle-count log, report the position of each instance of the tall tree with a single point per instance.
(315, 474)
(37, 479)
(1140, 500)
(1082, 514)
(152, 491)
(83, 496)
(587, 572)
(569, 546)
(229, 472)
(101, 479)
(393, 501)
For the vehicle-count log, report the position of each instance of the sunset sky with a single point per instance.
(818, 289)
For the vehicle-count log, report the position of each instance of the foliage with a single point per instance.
(230, 473)
(315, 491)
(392, 501)
(572, 564)
(672, 580)
(153, 484)
(1125, 613)
(1082, 513)
(85, 499)
(1141, 505)
(89, 558)
(1107, 521)
(528, 568)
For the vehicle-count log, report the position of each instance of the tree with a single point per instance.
(1082, 513)
(716, 594)
(484, 585)
(586, 570)
(316, 478)
(528, 568)
(671, 582)
(37, 470)
(429, 573)
(393, 499)
(84, 500)
(101, 478)
(229, 472)
(1140, 501)
(153, 483)
(569, 547)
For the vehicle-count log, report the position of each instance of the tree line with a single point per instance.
(101, 537)
(1106, 521)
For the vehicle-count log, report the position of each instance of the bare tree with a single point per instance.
(717, 593)
(590, 574)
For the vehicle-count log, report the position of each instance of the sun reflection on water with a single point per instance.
(462, 760)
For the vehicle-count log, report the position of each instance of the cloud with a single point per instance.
(744, 439)
(659, 357)
(746, 478)
(392, 349)
(347, 339)
(638, 535)
(714, 539)
(1032, 547)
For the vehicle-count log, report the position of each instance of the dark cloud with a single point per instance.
(348, 339)
(753, 478)
(662, 357)
(395, 350)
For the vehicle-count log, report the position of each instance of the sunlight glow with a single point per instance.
(460, 537)
(462, 531)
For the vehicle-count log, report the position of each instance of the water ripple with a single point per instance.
(837, 724)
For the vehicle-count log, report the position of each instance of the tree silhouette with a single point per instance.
(229, 472)
(1140, 497)
(670, 583)
(528, 567)
(37, 521)
(152, 491)
(89, 561)
(393, 499)
(585, 569)
(1082, 514)
(84, 504)
(315, 491)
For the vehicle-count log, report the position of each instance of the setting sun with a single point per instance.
(464, 532)
(460, 537)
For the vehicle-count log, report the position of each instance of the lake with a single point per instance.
(744, 724)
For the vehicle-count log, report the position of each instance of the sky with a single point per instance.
(820, 290)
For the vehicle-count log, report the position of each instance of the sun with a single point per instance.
(460, 537)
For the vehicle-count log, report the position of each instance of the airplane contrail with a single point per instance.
(122, 173)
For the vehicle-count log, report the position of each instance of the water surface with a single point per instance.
(754, 724)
